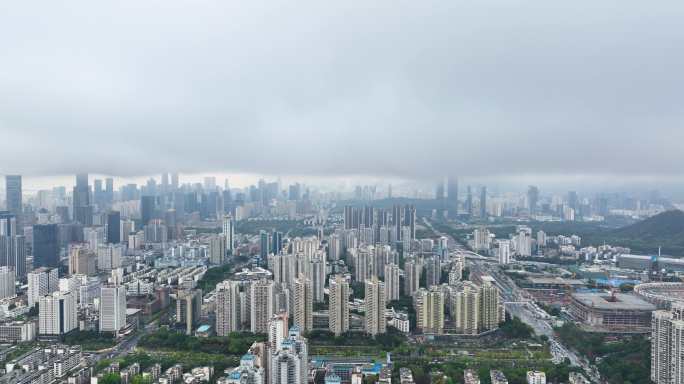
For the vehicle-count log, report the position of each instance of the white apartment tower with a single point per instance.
(41, 282)
(57, 313)
(391, 282)
(112, 308)
(375, 307)
(339, 305)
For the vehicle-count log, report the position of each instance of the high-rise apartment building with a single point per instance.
(188, 308)
(412, 271)
(41, 282)
(227, 307)
(430, 310)
(433, 272)
(57, 313)
(262, 305)
(667, 345)
(391, 282)
(303, 303)
(338, 309)
(466, 309)
(375, 322)
(217, 249)
(289, 364)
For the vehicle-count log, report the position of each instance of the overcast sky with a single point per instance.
(404, 89)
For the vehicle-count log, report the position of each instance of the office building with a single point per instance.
(41, 282)
(112, 308)
(375, 322)
(45, 246)
(7, 283)
(229, 232)
(262, 305)
(13, 195)
(83, 211)
(303, 303)
(57, 313)
(227, 307)
(338, 310)
(113, 227)
(483, 202)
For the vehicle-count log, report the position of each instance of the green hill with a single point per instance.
(664, 230)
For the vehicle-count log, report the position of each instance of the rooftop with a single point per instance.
(602, 300)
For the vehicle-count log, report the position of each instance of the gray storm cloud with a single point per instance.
(412, 89)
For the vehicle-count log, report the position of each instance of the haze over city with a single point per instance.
(426, 192)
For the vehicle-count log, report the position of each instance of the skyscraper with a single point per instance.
(303, 303)
(227, 307)
(229, 232)
(113, 227)
(469, 201)
(277, 242)
(264, 245)
(466, 309)
(452, 196)
(83, 212)
(112, 308)
(339, 305)
(45, 246)
(532, 198)
(375, 322)
(147, 208)
(433, 271)
(483, 202)
(13, 194)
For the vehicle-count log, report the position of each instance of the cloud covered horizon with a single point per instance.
(404, 89)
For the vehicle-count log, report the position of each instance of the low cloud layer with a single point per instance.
(410, 89)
